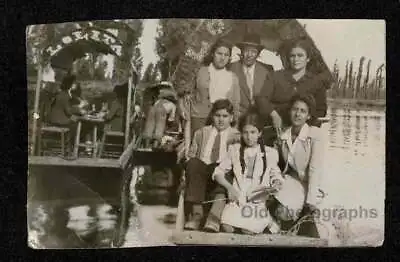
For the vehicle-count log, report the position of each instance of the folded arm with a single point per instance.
(275, 174)
(194, 145)
(222, 169)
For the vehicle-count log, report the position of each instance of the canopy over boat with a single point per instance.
(75, 45)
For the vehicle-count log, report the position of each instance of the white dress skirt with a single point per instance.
(252, 216)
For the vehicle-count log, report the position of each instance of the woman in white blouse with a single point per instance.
(301, 148)
(213, 82)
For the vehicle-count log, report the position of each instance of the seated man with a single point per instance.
(208, 148)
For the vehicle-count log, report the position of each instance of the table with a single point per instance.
(90, 119)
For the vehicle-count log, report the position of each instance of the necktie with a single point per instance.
(215, 149)
(249, 81)
(251, 164)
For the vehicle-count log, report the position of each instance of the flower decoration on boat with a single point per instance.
(215, 26)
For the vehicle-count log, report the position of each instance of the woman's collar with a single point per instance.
(212, 68)
(303, 134)
(307, 74)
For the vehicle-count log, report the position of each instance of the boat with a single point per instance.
(160, 224)
(73, 180)
(166, 223)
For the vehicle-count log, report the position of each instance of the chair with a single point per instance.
(107, 134)
(63, 132)
(48, 97)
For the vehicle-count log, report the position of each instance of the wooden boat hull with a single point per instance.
(230, 239)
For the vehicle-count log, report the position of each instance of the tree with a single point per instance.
(148, 74)
(359, 75)
(379, 80)
(351, 77)
(138, 59)
(171, 42)
(367, 78)
(129, 32)
(346, 77)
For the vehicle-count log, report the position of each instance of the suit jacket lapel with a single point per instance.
(302, 154)
(242, 81)
(259, 77)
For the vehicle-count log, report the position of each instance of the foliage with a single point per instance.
(148, 74)
(170, 43)
(181, 45)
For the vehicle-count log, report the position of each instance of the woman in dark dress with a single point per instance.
(274, 99)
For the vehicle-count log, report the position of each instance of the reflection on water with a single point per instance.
(354, 177)
(355, 163)
(55, 225)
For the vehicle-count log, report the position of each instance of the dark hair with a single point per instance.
(208, 59)
(308, 100)
(67, 82)
(303, 43)
(252, 118)
(219, 105)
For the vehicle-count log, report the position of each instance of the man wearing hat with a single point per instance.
(163, 110)
(250, 72)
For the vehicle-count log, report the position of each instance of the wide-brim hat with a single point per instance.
(163, 84)
(168, 93)
(251, 40)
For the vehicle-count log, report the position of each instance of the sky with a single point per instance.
(336, 39)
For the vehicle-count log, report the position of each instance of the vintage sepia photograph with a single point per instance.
(218, 132)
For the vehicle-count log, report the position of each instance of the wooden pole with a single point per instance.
(36, 105)
(128, 111)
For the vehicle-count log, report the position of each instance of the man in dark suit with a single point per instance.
(250, 72)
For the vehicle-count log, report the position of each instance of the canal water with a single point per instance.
(354, 180)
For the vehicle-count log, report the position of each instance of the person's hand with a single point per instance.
(234, 195)
(277, 184)
(83, 104)
(260, 193)
(74, 118)
(182, 184)
(276, 121)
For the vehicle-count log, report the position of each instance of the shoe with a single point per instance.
(211, 226)
(156, 144)
(193, 224)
